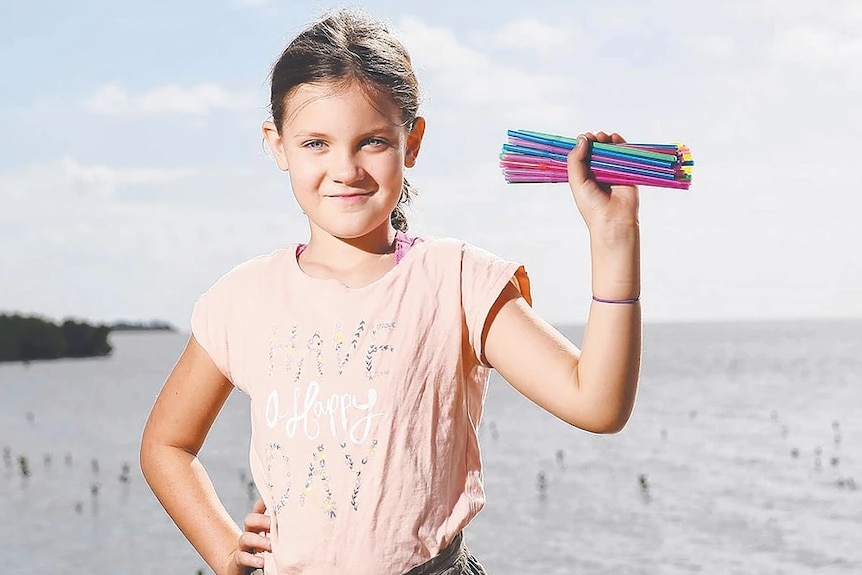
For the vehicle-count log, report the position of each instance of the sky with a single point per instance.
(133, 172)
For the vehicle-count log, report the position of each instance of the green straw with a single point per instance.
(623, 149)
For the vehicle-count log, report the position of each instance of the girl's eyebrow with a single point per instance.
(309, 135)
(383, 129)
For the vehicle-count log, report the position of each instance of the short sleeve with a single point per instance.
(483, 277)
(209, 326)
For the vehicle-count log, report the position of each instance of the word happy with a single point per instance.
(306, 408)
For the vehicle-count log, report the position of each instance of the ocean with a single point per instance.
(743, 455)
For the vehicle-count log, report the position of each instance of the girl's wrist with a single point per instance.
(616, 270)
(619, 293)
(615, 236)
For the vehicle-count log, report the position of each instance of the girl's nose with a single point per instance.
(345, 169)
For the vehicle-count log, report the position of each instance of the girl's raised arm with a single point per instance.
(592, 388)
(178, 424)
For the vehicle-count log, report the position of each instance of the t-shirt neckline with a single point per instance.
(406, 258)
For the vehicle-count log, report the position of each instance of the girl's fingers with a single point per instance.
(254, 542)
(259, 506)
(603, 137)
(248, 550)
(577, 161)
(246, 559)
(256, 522)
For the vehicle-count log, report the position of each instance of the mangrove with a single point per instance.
(29, 338)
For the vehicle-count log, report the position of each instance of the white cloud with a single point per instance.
(720, 46)
(533, 37)
(67, 178)
(140, 242)
(55, 189)
(200, 100)
(819, 45)
(839, 14)
(825, 34)
(473, 77)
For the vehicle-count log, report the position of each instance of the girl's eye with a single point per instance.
(313, 144)
(376, 142)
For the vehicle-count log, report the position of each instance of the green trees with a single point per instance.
(25, 338)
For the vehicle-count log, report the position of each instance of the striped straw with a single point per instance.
(535, 157)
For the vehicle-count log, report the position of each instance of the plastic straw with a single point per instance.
(536, 157)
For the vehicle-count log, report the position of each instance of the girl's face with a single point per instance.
(345, 154)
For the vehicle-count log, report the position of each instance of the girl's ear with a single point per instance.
(275, 143)
(414, 141)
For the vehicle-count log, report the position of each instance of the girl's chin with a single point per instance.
(357, 228)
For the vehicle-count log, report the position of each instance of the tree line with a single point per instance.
(26, 338)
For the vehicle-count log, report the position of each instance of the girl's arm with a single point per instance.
(593, 388)
(183, 413)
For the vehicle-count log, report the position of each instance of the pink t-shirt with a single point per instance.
(365, 402)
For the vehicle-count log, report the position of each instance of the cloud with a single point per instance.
(825, 35)
(473, 76)
(67, 178)
(720, 46)
(819, 45)
(140, 241)
(533, 37)
(252, 3)
(200, 100)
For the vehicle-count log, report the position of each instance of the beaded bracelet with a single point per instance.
(632, 300)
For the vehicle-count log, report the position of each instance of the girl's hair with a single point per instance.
(348, 46)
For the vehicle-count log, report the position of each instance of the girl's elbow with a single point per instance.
(603, 422)
(147, 459)
(613, 425)
(619, 418)
(606, 427)
(151, 454)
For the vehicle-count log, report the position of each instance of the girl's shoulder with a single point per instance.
(470, 260)
(254, 270)
(451, 247)
(446, 245)
(438, 253)
(480, 270)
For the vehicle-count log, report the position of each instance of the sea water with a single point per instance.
(743, 455)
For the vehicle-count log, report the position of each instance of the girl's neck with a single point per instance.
(335, 249)
(354, 262)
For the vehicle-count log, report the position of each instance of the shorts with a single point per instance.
(456, 559)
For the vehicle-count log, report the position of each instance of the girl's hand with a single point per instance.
(246, 558)
(609, 211)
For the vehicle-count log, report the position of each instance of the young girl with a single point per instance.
(366, 352)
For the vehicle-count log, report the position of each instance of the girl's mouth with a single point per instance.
(351, 198)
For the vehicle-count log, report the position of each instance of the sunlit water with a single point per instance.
(744, 455)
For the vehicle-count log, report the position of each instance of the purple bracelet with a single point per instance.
(633, 300)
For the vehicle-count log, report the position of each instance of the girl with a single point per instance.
(366, 352)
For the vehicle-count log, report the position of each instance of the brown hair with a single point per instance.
(348, 46)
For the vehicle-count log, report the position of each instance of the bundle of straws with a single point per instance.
(534, 157)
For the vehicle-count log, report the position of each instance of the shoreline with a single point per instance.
(28, 338)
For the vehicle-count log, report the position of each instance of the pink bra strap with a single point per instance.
(403, 243)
